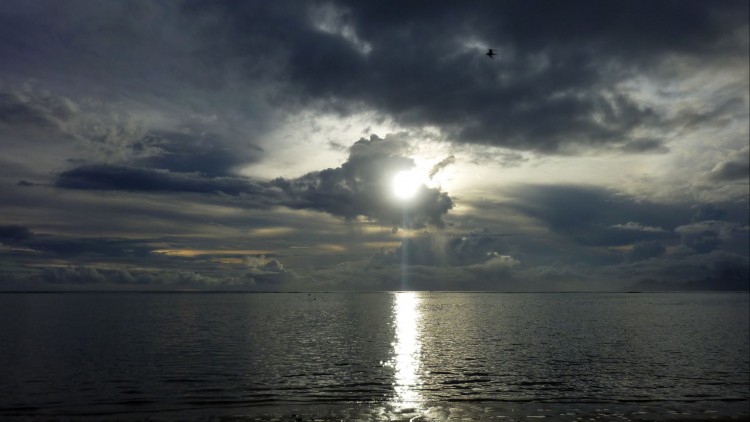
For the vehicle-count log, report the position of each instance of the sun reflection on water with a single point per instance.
(406, 351)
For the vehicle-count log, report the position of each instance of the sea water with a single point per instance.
(374, 356)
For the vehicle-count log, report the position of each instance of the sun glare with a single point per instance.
(406, 184)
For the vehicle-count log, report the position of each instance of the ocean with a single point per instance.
(374, 356)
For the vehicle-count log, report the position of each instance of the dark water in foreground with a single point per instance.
(374, 356)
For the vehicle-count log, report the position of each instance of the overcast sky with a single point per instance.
(253, 145)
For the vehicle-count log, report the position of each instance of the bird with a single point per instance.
(491, 53)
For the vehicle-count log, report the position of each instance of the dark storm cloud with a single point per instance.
(728, 171)
(597, 216)
(555, 82)
(705, 212)
(170, 100)
(706, 236)
(71, 247)
(109, 177)
(670, 243)
(360, 187)
(207, 154)
(142, 95)
(716, 270)
(646, 250)
(194, 146)
(65, 246)
(14, 234)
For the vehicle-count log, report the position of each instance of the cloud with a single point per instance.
(361, 187)
(441, 165)
(483, 155)
(57, 246)
(107, 278)
(266, 271)
(646, 250)
(727, 171)
(631, 225)
(593, 215)
(111, 177)
(706, 236)
(14, 234)
(705, 212)
(90, 43)
(101, 247)
(188, 152)
(119, 263)
(592, 218)
(155, 110)
(563, 85)
(557, 81)
(495, 264)
(718, 269)
(476, 248)
(40, 260)
(83, 275)
(31, 109)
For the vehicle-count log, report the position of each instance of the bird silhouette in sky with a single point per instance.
(491, 53)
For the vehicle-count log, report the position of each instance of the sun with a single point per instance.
(406, 184)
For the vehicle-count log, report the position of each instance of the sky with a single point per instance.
(253, 145)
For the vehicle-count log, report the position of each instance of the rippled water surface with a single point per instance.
(374, 356)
